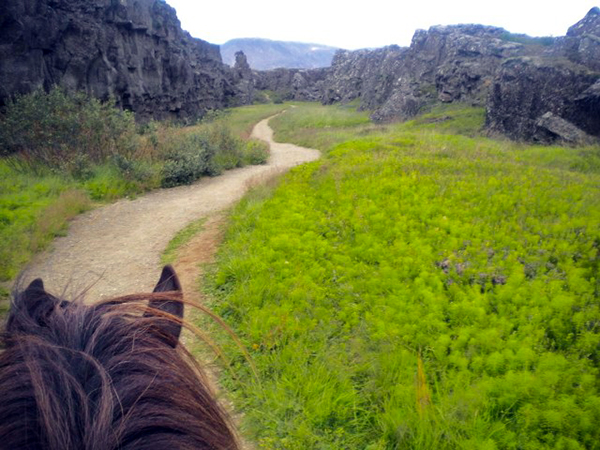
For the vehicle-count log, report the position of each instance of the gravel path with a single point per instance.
(115, 250)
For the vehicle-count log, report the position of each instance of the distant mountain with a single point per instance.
(264, 54)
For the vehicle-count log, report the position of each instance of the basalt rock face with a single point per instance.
(555, 96)
(243, 80)
(293, 84)
(526, 89)
(132, 50)
(582, 42)
(366, 74)
(449, 63)
(444, 64)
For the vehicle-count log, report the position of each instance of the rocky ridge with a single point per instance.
(542, 89)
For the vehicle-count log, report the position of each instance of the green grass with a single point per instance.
(169, 256)
(33, 210)
(310, 125)
(480, 257)
(242, 119)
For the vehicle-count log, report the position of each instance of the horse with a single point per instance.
(110, 375)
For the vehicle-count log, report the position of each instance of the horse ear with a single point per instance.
(34, 303)
(168, 282)
(35, 298)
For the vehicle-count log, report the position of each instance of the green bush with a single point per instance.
(190, 158)
(256, 152)
(64, 131)
(209, 152)
(229, 147)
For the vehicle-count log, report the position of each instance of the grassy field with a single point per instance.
(420, 287)
(36, 202)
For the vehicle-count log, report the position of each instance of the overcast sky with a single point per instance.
(374, 23)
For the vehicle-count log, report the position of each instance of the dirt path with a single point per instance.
(116, 249)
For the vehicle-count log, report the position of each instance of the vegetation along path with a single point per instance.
(116, 249)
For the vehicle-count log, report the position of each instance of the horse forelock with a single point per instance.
(103, 376)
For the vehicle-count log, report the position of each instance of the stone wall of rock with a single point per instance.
(132, 50)
(527, 88)
(366, 74)
(445, 63)
(546, 98)
(292, 84)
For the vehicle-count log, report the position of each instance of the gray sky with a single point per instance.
(373, 24)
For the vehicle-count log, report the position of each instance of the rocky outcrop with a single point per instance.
(446, 64)
(540, 89)
(292, 84)
(243, 80)
(533, 98)
(582, 42)
(526, 89)
(132, 50)
(366, 74)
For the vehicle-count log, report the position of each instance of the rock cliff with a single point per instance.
(445, 63)
(292, 84)
(554, 96)
(132, 50)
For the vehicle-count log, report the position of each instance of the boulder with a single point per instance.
(551, 128)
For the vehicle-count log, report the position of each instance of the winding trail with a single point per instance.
(115, 250)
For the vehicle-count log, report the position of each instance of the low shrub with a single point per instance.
(210, 151)
(189, 158)
(229, 147)
(64, 131)
(255, 152)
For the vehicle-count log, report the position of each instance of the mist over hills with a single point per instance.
(265, 54)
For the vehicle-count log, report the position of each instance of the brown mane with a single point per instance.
(104, 376)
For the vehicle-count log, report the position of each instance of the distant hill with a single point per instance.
(264, 54)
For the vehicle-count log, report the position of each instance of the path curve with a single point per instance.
(115, 250)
